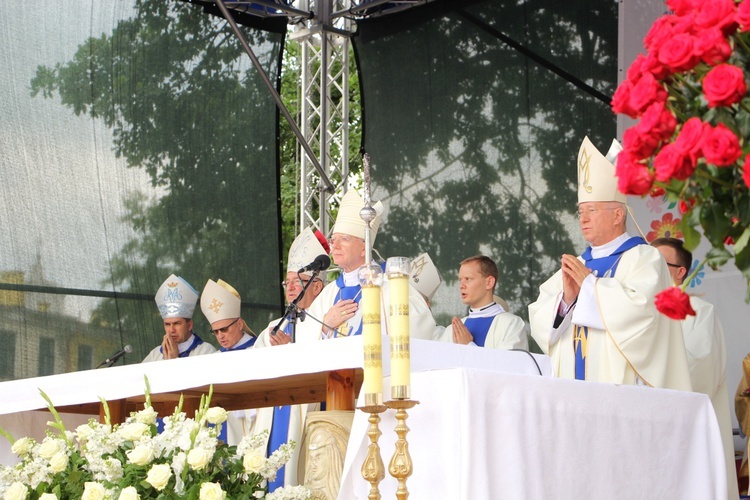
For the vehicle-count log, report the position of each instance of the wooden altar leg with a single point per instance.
(340, 390)
(117, 411)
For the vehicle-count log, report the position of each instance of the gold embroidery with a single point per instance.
(584, 171)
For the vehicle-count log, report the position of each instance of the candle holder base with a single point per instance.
(401, 465)
(373, 469)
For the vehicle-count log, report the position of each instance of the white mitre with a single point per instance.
(348, 220)
(425, 276)
(176, 298)
(596, 174)
(219, 301)
(305, 248)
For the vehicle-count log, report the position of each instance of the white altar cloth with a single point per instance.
(120, 382)
(488, 435)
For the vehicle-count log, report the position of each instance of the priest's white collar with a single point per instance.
(183, 346)
(608, 248)
(488, 311)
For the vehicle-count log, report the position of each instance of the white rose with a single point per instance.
(48, 496)
(128, 493)
(158, 476)
(134, 431)
(49, 447)
(253, 461)
(140, 455)
(22, 446)
(146, 416)
(212, 491)
(216, 415)
(93, 491)
(198, 458)
(17, 491)
(58, 462)
(84, 432)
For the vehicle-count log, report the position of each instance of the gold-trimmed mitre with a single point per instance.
(596, 174)
(348, 220)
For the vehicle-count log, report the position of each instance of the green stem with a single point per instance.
(687, 84)
(739, 40)
(706, 175)
(686, 281)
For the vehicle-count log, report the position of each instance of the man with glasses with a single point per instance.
(220, 304)
(176, 301)
(305, 248)
(287, 423)
(706, 350)
(337, 306)
(596, 317)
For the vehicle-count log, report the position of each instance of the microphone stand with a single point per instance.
(293, 312)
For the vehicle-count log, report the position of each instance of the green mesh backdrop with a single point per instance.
(473, 143)
(137, 141)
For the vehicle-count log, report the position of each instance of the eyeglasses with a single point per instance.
(296, 282)
(224, 329)
(674, 265)
(590, 212)
(342, 240)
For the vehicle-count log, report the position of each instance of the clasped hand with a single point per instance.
(573, 274)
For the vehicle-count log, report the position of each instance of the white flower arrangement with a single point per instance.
(133, 461)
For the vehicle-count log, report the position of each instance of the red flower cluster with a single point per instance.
(689, 70)
(675, 303)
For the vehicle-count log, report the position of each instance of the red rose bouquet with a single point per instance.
(689, 94)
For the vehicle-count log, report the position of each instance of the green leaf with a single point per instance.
(690, 234)
(717, 257)
(716, 225)
(743, 122)
(741, 243)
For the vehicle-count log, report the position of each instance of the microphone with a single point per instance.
(122, 352)
(321, 263)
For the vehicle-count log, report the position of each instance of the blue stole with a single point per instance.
(348, 293)
(279, 433)
(478, 327)
(602, 267)
(241, 347)
(196, 342)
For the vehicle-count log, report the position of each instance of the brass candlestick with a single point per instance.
(400, 466)
(373, 469)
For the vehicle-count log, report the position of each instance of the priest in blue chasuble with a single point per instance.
(488, 324)
(596, 317)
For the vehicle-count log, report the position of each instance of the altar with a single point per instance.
(490, 424)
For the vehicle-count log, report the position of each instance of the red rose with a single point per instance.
(717, 14)
(712, 46)
(721, 146)
(656, 192)
(621, 100)
(671, 163)
(724, 85)
(689, 139)
(678, 53)
(684, 206)
(660, 32)
(675, 303)
(645, 92)
(657, 120)
(681, 7)
(746, 171)
(639, 143)
(632, 177)
(743, 16)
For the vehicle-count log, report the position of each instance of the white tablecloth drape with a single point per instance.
(480, 434)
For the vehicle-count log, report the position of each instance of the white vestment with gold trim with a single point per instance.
(635, 344)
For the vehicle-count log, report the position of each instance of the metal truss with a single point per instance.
(323, 29)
